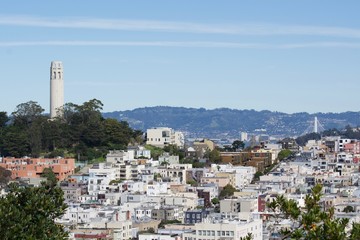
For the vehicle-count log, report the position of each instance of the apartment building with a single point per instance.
(225, 228)
(33, 167)
(163, 136)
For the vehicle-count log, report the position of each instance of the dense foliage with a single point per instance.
(302, 140)
(312, 222)
(81, 132)
(227, 191)
(283, 154)
(30, 213)
(5, 176)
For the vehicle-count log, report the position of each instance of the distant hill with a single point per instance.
(225, 122)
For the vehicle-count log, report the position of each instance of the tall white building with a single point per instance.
(56, 88)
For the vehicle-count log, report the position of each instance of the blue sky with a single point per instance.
(288, 56)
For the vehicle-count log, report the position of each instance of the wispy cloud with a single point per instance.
(184, 27)
(108, 83)
(189, 44)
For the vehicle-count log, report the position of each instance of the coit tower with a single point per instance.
(56, 88)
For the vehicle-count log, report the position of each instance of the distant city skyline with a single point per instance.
(264, 55)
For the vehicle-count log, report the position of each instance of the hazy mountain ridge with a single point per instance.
(200, 122)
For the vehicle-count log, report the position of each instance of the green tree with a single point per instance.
(237, 144)
(15, 142)
(213, 156)
(50, 176)
(155, 151)
(215, 201)
(227, 191)
(302, 140)
(117, 134)
(5, 176)
(196, 164)
(249, 236)
(82, 131)
(35, 136)
(173, 149)
(257, 176)
(3, 119)
(30, 212)
(26, 113)
(312, 222)
(348, 209)
(192, 182)
(284, 154)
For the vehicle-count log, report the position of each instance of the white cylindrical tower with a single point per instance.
(56, 88)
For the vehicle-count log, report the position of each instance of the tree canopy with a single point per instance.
(227, 191)
(4, 175)
(312, 222)
(238, 145)
(30, 213)
(284, 154)
(80, 132)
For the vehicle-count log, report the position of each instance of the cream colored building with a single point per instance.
(238, 205)
(162, 136)
(220, 181)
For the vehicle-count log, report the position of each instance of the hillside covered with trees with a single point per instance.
(82, 132)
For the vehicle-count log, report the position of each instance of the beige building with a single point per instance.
(163, 136)
(236, 205)
(145, 225)
(225, 229)
(230, 176)
(188, 200)
(220, 181)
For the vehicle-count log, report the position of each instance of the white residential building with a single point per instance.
(212, 188)
(100, 176)
(77, 214)
(165, 158)
(175, 172)
(243, 175)
(229, 229)
(163, 136)
(189, 200)
(154, 236)
(120, 156)
(133, 186)
(157, 188)
(142, 152)
(142, 212)
(131, 171)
